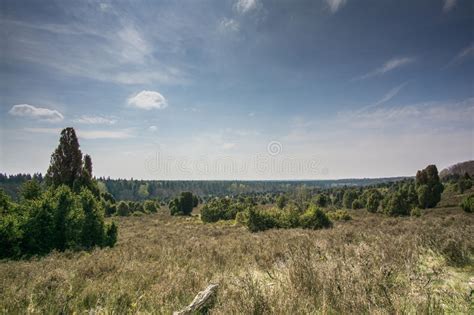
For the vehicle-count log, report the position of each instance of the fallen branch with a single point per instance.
(200, 301)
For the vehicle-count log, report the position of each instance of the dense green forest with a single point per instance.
(165, 190)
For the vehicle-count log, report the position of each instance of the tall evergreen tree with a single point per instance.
(66, 161)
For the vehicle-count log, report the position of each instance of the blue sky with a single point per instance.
(239, 89)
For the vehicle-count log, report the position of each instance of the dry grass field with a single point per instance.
(371, 264)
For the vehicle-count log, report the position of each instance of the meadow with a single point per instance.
(370, 264)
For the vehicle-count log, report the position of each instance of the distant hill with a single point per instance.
(458, 169)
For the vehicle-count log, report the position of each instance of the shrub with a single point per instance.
(395, 205)
(221, 209)
(339, 215)
(123, 209)
(429, 187)
(468, 204)
(183, 204)
(348, 199)
(357, 204)
(373, 201)
(415, 212)
(281, 201)
(111, 235)
(261, 221)
(321, 200)
(314, 218)
(150, 206)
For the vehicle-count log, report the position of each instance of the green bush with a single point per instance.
(123, 209)
(150, 206)
(468, 204)
(339, 215)
(373, 201)
(348, 198)
(314, 218)
(357, 204)
(221, 209)
(395, 205)
(415, 212)
(183, 204)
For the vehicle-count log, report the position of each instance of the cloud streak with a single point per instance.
(88, 134)
(388, 66)
(449, 5)
(30, 111)
(95, 120)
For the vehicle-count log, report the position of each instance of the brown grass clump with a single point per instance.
(370, 264)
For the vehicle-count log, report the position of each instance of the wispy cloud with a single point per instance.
(449, 5)
(463, 55)
(148, 100)
(244, 6)
(227, 24)
(114, 52)
(30, 111)
(335, 5)
(387, 66)
(95, 120)
(88, 134)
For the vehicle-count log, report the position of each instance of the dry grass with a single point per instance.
(371, 264)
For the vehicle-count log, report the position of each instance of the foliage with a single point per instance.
(357, 204)
(183, 204)
(373, 201)
(415, 212)
(468, 204)
(348, 198)
(321, 200)
(122, 209)
(281, 201)
(429, 187)
(222, 209)
(339, 215)
(395, 205)
(30, 190)
(290, 217)
(150, 206)
(66, 160)
(314, 218)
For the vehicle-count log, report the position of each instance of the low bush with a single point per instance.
(339, 215)
(468, 204)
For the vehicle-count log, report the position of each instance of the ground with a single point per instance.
(371, 264)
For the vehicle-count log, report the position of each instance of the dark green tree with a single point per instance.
(348, 198)
(281, 201)
(93, 227)
(66, 161)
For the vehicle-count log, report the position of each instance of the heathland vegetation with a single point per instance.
(71, 245)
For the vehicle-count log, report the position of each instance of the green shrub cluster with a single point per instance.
(222, 209)
(290, 217)
(183, 204)
(339, 215)
(57, 219)
(468, 203)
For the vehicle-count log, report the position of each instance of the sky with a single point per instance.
(239, 89)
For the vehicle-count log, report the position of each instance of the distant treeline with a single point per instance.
(165, 190)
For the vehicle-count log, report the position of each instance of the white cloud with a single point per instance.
(228, 25)
(153, 128)
(386, 67)
(448, 5)
(30, 111)
(88, 134)
(148, 100)
(251, 114)
(95, 120)
(335, 5)
(244, 6)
